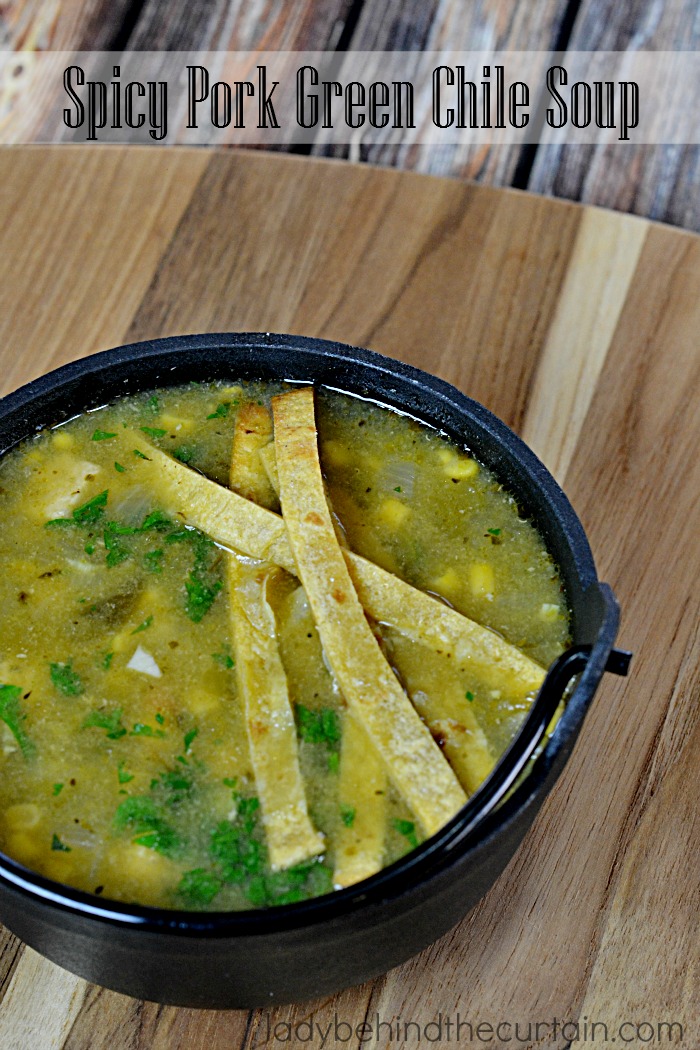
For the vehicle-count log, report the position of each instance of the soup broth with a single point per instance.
(131, 765)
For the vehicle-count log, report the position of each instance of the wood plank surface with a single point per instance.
(580, 329)
(660, 182)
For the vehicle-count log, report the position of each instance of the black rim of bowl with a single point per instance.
(435, 853)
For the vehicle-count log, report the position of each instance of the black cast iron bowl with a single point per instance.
(299, 951)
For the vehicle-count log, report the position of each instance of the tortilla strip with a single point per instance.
(414, 761)
(272, 734)
(252, 433)
(262, 683)
(239, 524)
(447, 710)
(362, 785)
(269, 462)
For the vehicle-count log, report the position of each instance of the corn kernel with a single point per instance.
(481, 580)
(449, 583)
(176, 424)
(463, 468)
(24, 848)
(335, 454)
(62, 440)
(22, 817)
(201, 702)
(393, 513)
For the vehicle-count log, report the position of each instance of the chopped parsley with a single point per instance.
(102, 435)
(58, 845)
(57, 789)
(12, 715)
(494, 532)
(153, 432)
(109, 721)
(397, 489)
(408, 829)
(160, 719)
(107, 661)
(224, 658)
(189, 740)
(141, 815)
(221, 411)
(66, 680)
(153, 560)
(87, 514)
(347, 815)
(469, 695)
(140, 455)
(140, 729)
(199, 886)
(123, 775)
(185, 453)
(119, 468)
(318, 727)
(144, 627)
(153, 404)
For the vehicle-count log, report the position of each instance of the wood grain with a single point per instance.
(659, 182)
(443, 26)
(579, 328)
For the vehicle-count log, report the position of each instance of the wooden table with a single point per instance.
(659, 182)
(579, 328)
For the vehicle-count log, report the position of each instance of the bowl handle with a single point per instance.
(524, 747)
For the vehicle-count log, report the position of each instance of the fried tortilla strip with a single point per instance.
(362, 785)
(439, 697)
(272, 734)
(414, 761)
(253, 431)
(269, 462)
(262, 683)
(237, 523)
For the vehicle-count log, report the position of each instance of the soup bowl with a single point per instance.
(298, 951)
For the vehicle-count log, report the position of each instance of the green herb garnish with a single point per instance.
(57, 789)
(66, 680)
(93, 510)
(469, 695)
(222, 411)
(107, 660)
(408, 829)
(58, 845)
(494, 532)
(122, 775)
(199, 886)
(318, 727)
(119, 468)
(153, 432)
(111, 722)
(153, 404)
(189, 740)
(140, 455)
(102, 435)
(185, 453)
(347, 815)
(141, 815)
(87, 514)
(144, 730)
(12, 715)
(153, 559)
(144, 627)
(224, 658)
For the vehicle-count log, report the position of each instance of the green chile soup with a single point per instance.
(182, 719)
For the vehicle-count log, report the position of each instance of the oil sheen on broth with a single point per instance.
(125, 761)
